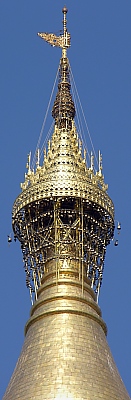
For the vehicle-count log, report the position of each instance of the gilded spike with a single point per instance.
(63, 110)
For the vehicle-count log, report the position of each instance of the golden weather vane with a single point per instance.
(63, 41)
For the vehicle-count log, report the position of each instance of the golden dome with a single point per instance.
(65, 354)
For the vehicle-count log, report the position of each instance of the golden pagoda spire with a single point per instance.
(63, 201)
(63, 110)
(64, 220)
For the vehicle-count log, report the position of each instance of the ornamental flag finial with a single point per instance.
(63, 41)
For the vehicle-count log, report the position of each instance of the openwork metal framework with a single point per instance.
(66, 232)
(63, 218)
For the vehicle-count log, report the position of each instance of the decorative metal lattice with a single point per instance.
(63, 231)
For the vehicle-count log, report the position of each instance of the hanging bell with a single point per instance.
(118, 227)
(9, 239)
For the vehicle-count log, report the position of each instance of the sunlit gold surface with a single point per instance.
(64, 219)
(63, 41)
(64, 213)
(64, 178)
(65, 353)
(64, 173)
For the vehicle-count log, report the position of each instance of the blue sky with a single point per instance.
(100, 57)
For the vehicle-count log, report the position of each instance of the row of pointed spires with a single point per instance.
(91, 167)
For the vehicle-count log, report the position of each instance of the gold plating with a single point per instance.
(63, 218)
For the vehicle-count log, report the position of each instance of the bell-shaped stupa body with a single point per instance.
(64, 219)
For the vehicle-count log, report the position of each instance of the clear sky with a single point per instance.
(100, 57)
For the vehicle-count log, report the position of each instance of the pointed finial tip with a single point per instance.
(64, 10)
